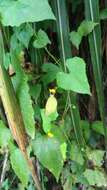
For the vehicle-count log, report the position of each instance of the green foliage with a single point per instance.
(75, 38)
(76, 79)
(47, 119)
(20, 82)
(24, 11)
(24, 34)
(84, 29)
(50, 71)
(103, 14)
(41, 40)
(95, 177)
(47, 150)
(98, 127)
(35, 91)
(5, 135)
(59, 133)
(7, 61)
(63, 149)
(95, 44)
(76, 154)
(20, 166)
(96, 156)
(70, 143)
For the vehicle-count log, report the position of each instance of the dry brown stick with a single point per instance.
(13, 114)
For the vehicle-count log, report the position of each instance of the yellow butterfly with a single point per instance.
(51, 104)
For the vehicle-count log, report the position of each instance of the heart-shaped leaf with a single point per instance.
(76, 79)
(14, 13)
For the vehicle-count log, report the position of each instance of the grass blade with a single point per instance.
(65, 52)
(92, 13)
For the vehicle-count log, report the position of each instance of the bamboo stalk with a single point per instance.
(65, 52)
(92, 13)
(13, 113)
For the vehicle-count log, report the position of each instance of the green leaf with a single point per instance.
(35, 91)
(75, 38)
(24, 33)
(76, 79)
(14, 13)
(5, 135)
(68, 183)
(86, 129)
(63, 148)
(47, 119)
(20, 83)
(41, 40)
(14, 43)
(96, 156)
(86, 27)
(59, 133)
(95, 44)
(20, 166)
(7, 61)
(103, 14)
(95, 177)
(98, 127)
(75, 154)
(48, 153)
(51, 71)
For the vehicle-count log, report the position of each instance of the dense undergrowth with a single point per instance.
(53, 89)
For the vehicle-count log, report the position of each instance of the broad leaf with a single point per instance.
(75, 154)
(24, 33)
(14, 13)
(95, 177)
(5, 135)
(86, 129)
(96, 156)
(75, 38)
(35, 90)
(47, 119)
(76, 79)
(50, 71)
(41, 40)
(48, 153)
(59, 133)
(63, 148)
(20, 166)
(98, 127)
(86, 27)
(20, 83)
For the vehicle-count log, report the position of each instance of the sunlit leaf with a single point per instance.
(41, 39)
(76, 79)
(14, 13)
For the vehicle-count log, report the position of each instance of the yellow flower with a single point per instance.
(51, 104)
